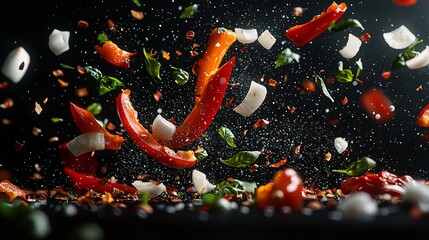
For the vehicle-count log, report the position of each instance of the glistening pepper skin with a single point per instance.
(115, 55)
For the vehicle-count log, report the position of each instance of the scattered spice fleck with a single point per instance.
(165, 55)
(36, 131)
(83, 24)
(62, 83)
(4, 84)
(260, 123)
(385, 75)
(138, 15)
(37, 108)
(21, 66)
(111, 25)
(58, 73)
(279, 163)
(157, 96)
(272, 82)
(365, 37)
(328, 156)
(8, 103)
(344, 101)
(17, 146)
(190, 35)
(81, 92)
(178, 53)
(419, 88)
(194, 53)
(53, 139)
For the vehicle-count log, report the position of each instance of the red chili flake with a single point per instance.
(244, 48)
(425, 137)
(234, 84)
(37, 108)
(62, 83)
(110, 126)
(344, 101)
(81, 92)
(111, 25)
(419, 89)
(272, 82)
(194, 45)
(386, 75)
(178, 53)
(138, 15)
(260, 123)
(58, 73)
(330, 80)
(53, 139)
(334, 121)
(83, 24)
(253, 168)
(4, 84)
(157, 96)
(298, 149)
(190, 35)
(229, 103)
(81, 70)
(308, 86)
(328, 156)
(279, 163)
(45, 100)
(6, 121)
(173, 121)
(359, 81)
(194, 53)
(17, 146)
(195, 67)
(377, 105)
(365, 37)
(21, 66)
(245, 132)
(8, 103)
(152, 53)
(165, 55)
(292, 109)
(36, 131)
(346, 153)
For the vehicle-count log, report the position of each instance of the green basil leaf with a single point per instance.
(228, 136)
(210, 198)
(234, 187)
(285, 57)
(108, 83)
(94, 72)
(242, 159)
(102, 37)
(405, 55)
(358, 167)
(189, 11)
(344, 24)
(137, 3)
(180, 76)
(152, 65)
(56, 120)
(200, 154)
(344, 76)
(95, 108)
(66, 66)
(322, 85)
(144, 198)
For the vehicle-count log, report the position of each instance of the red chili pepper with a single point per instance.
(203, 113)
(377, 184)
(114, 55)
(11, 190)
(82, 183)
(423, 118)
(84, 163)
(86, 122)
(377, 105)
(304, 33)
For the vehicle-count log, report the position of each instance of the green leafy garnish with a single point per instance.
(242, 159)
(102, 37)
(189, 11)
(137, 3)
(95, 108)
(359, 69)
(144, 198)
(152, 65)
(285, 57)
(66, 66)
(107, 83)
(343, 75)
(56, 119)
(200, 154)
(210, 198)
(234, 187)
(344, 24)
(180, 76)
(322, 85)
(405, 55)
(227, 135)
(358, 167)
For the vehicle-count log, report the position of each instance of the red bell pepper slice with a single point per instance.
(377, 105)
(11, 190)
(377, 184)
(86, 122)
(84, 163)
(115, 55)
(145, 140)
(82, 183)
(203, 113)
(304, 33)
(423, 118)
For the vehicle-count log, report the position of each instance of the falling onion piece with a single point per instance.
(201, 184)
(358, 205)
(246, 36)
(351, 48)
(419, 61)
(266, 39)
(340, 144)
(399, 38)
(151, 188)
(86, 142)
(253, 100)
(162, 128)
(59, 41)
(16, 64)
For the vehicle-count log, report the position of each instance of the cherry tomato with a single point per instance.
(377, 105)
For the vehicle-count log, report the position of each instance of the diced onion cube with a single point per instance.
(246, 36)
(359, 206)
(266, 39)
(162, 128)
(86, 142)
(253, 100)
(340, 144)
(399, 38)
(16, 64)
(352, 47)
(151, 188)
(200, 182)
(59, 41)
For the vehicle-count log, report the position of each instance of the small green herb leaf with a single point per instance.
(144, 198)
(66, 66)
(137, 3)
(200, 154)
(180, 76)
(95, 108)
(228, 136)
(189, 11)
(94, 72)
(358, 167)
(285, 57)
(344, 24)
(152, 65)
(242, 159)
(322, 85)
(344, 76)
(210, 198)
(56, 120)
(108, 83)
(405, 55)
(102, 37)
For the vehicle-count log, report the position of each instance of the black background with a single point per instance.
(396, 145)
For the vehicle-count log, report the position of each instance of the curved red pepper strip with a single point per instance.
(86, 122)
(304, 33)
(145, 140)
(114, 55)
(84, 163)
(82, 183)
(203, 113)
(11, 190)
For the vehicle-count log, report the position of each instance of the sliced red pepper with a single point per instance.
(203, 113)
(115, 55)
(217, 46)
(82, 183)
(84, 163)
(377, 184)
(11, 190)
(145, 140)
(86, 122)
(423, 118)
(304, 33)
(377, 105)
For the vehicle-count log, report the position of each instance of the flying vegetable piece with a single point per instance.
(11, 190)
(153, 67)
(404, 3)
(377, 105)
(344, 24)
(423, 118)
(201, 116)
(405, 55)
(218, 44)
(358, 167)
(286, 56)
(115, 55)
(227, 135)
(180, 76)
(304, 33)
(107, 83)
(85, 163)
(189, 11)
(242, 159)
(322, 85)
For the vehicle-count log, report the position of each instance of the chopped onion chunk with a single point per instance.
(246, 36)
(352, 47)
(399, 38)
(16, 64)
(86, 142)
(59, 41)
(253, 100)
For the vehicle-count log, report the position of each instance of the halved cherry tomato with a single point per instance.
(86, 122)
(218, 44)
(11, 190)
(203, 113)
(377, 105)
(146, 141)
(304, 33)
(423, 118)
(84, 163)
(114, 55)
(82, 183)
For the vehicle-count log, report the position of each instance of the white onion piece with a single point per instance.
(16, 64)
(162, 128)
(359, 63)
(246, 36)
(59, 41)
(200, 182)
(340, 144)
(419, 61)
(358, 205)
(253, 100)
(266, 39)
(416, 193)
(399, 38)
(86, 142)
(352, 47)
(150, 188)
